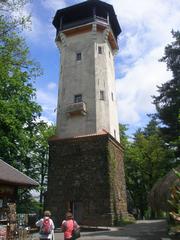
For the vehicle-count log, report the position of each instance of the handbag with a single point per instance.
(76, 233)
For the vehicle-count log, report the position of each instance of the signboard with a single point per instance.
(6, 190)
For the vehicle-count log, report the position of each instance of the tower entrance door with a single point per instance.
(77, 210)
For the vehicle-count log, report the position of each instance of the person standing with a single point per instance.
(46, 226)
(68, 226)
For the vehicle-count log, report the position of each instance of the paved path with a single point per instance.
(141, 230)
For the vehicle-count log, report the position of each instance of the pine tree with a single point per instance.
(168, 101)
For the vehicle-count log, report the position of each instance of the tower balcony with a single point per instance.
(75, 109)
(85, 13)
(96, 19)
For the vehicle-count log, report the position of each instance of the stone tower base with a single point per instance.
(86, 175)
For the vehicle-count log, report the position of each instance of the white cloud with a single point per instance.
(52, 85)
(46, 97)
(146, 24)
(36, 32)
(40, 30)
(54, 4)
(146, 27)
(48, 101)
(135, 89)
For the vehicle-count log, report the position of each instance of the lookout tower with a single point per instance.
(87, 38)
(86, 171)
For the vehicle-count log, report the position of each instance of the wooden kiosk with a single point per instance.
(10, 180)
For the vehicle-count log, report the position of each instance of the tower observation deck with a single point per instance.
(85, 13)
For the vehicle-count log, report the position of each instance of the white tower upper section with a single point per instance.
(87, 39)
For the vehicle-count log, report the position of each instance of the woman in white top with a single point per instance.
(46, 226)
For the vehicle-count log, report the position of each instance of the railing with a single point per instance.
(84, 21)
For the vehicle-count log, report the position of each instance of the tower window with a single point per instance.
(101, 95)
(100, 50)
(112, 96)
(114, 133)
(78, 56)
(77, 98)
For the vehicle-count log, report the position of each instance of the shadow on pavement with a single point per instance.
(142, 230)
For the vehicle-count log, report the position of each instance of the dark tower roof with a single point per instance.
(84, 12)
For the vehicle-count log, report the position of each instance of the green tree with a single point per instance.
(41, 155)
(145, 162)
(123, 136)
(168, 101)
(37, 165)
(19, 111)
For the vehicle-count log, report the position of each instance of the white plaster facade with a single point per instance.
(92, 77)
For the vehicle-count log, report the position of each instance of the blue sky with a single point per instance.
(146, 30)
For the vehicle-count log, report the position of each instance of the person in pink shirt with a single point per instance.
(68, 226)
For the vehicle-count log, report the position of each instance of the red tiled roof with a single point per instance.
(11, 176)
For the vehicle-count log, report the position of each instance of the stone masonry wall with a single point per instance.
(117, 182)
(86, 171)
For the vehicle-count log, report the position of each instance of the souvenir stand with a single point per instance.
(10, 180)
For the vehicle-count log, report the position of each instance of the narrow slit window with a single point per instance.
(78, 56)
(77, 98)
(101, 95)
(99, 49)
(112, 96)
(114, 133)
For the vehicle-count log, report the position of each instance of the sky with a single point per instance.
(146, 30)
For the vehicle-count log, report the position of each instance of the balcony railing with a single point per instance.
(97, 19)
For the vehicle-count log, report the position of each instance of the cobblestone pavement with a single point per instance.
(141, 230)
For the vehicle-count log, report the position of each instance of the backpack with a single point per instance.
(46, 226)
(76, 229)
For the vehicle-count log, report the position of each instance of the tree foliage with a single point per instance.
(145, 161)
(40, 155)
(155, 149)
(36, 163)
(23, 139)
(12, 12)
(168, 101)
(19, 109)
